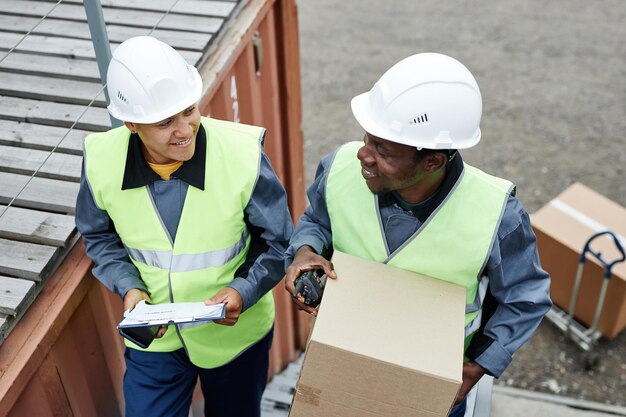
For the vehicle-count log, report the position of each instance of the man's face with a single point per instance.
(389, 166)
(170, 140)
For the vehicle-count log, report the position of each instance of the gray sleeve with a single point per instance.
(112, 266)
(520, 287)
(270, 225)
(313, 227)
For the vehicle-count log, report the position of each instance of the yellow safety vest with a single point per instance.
(452, 245)
(211, 241)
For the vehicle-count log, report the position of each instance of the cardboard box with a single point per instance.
(386, 342)
(563, 227)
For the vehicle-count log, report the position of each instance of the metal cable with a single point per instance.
(31, 30)
(167, 12)
(52, 151)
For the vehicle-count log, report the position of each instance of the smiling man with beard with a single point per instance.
(405, 197)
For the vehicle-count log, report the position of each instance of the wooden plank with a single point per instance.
(288, 56)
(42, 137)
(34, 401)
(4, 327)
(15, 294)
(53, 389)
(193, 7)
(204, 7)
(80, 30)
(52, 89)
(38, 193)
(21, 24)
(270, 94)
(36, 226)
(46, 165)
(193, 41)
(48, 45)
(185, 23)
(54, 114)
(26, 260)
(30, 8)
(136, 18)
(65, 47)
(59, 67)
(110, 308)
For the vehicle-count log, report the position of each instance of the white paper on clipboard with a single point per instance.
(171, 313)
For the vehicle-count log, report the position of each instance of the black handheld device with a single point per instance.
(141, 336)
(311, 286)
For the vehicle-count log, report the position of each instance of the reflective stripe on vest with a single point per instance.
(453, 244)
(211, 240)
(189, 261)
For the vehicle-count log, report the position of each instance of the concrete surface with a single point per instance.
(508, 405)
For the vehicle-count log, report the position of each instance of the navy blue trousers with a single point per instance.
(162, 383)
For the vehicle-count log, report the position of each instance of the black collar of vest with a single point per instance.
(137, 172)
(455, 169)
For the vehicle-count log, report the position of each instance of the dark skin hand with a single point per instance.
(472, 372)
(234, 305)
(306, 260)
(132, 297)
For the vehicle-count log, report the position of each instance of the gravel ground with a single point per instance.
(552, 76)
(550, 363)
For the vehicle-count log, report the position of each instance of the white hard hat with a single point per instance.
(149, 81)
(427, 100)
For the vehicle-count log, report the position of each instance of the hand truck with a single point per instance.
(586, 338)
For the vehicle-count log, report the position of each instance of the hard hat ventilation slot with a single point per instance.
(419, 120)
(121, 97)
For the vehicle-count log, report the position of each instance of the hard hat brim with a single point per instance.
(361, 110)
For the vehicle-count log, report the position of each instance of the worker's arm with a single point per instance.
(270, 226)
(112, 266)
(520, 288)
(313, 227)
(312, 237)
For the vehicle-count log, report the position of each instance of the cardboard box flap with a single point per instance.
(595, 206)
(365, 312)
(577, 214)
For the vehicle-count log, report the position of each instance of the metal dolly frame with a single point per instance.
(586, 338)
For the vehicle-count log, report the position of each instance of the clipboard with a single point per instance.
(141, 323)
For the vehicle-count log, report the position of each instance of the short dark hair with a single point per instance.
(425, 153)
